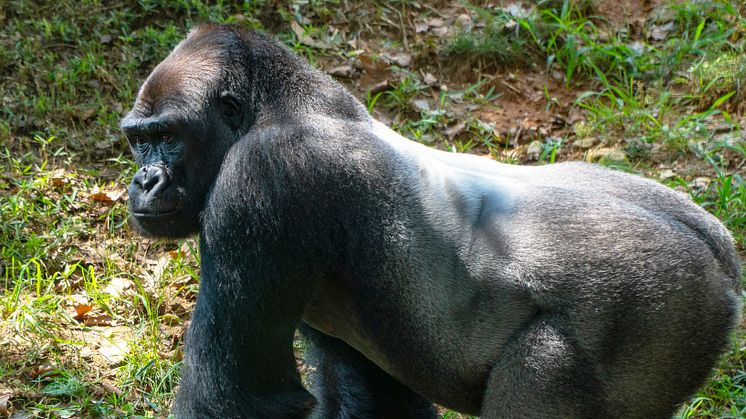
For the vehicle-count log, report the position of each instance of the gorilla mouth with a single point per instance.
(156, 214)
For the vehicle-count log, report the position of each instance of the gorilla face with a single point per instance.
(179, 130)
(165, 196)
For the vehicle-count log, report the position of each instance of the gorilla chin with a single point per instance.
(176, 223)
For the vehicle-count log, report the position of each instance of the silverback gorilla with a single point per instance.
(417, 276)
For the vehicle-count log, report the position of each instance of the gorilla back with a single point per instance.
(416, 275)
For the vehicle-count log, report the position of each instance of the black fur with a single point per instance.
(417, 276)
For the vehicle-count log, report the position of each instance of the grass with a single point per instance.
(92, 316)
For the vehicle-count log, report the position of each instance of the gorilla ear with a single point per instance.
(231, 109)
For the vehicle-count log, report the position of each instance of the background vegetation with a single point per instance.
(92, 316)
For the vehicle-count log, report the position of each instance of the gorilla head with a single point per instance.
(186, 116)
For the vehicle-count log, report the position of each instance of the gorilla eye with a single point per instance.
(139, 140)
(167, 138)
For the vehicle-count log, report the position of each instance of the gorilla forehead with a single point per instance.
(190, 72)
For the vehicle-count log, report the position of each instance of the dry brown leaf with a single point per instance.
(73, 283)
(81, 310)
(305, 39)
(57, 178)
(107, 196)
(401, 59)
(58, 182)
(98, 319)
(436, 22)
(455, 129)
(430, 80)
(111, 387)
(379, 87)
(174, 355)
(104, 144)
(440, 31)
(341, 70)
(159, 266)
(114, 352)
(6, 408)
(117, 287)
(45, 367)
(375, 72)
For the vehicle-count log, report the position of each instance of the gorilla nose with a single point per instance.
(152, 179)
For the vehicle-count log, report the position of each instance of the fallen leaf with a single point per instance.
(110, 387)
(118, 286)
(534, 150)
(45, 367)
(606, 153)
(57, 178)
(455, 129)
(379, 87)
(585, 143)
(72, 283)
(375, 72)
(58, 181)
(114, 352)
(700, 183)
(107, 196)
(402, 59)
(517, 10)
(660, 32)
(159, 266)
(421, 105)
(98, 319)
(374, 67)
(6, 408)
(174, 355)
(430, 80)
(341, 71)
(440, 31)
(81, 310)
(637, 47)
(435, 22)
(667, 174)
(104, 144)
(306, 39)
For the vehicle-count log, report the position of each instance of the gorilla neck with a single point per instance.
(288, 86)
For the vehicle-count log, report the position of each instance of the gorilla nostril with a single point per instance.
(140, 177)
(150, 181)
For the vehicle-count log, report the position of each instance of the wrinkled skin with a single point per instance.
(416, 276)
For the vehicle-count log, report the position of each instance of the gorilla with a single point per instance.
(417, 276)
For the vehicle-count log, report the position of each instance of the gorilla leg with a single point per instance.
(543, 374)
(348, 385)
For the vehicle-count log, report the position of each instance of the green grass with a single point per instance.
(69, 71)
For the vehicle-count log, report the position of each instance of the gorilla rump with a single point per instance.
(417, 276)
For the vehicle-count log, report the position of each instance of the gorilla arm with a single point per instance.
(251, 296)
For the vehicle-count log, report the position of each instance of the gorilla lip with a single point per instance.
(155, 214)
